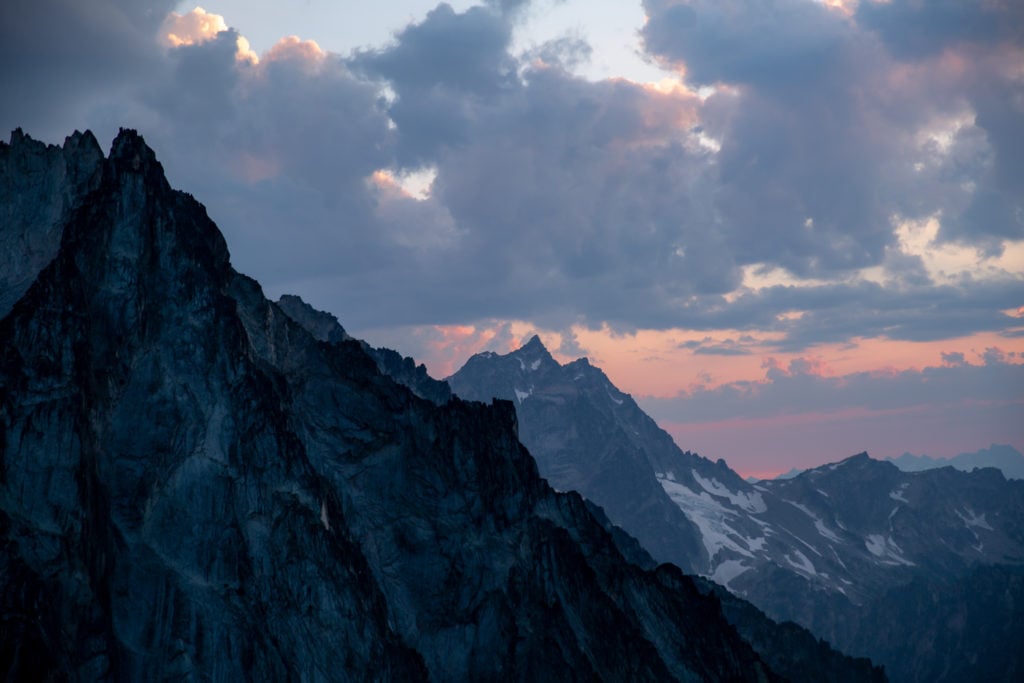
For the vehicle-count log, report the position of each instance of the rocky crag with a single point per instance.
(194, 486)
(832, 549)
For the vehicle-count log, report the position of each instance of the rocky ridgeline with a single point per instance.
(194, 486)
(833, 549)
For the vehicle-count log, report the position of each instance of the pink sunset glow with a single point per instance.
(785, 249)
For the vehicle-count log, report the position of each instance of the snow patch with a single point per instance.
(756, 544)
(898, 493)
(523, 395)
(535, 364)
(323, 515)
(875, 545)
(886, 550)
(822, 528)
(712, 518)
(802, 508)
(826, 532)
(800, 563)
(972, 519)
(840, 561)
(727, 571)
(751, 502)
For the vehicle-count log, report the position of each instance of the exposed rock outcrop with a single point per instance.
(194, 486)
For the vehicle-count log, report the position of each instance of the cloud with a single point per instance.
(804, 386)
(916, 30)
(785, 42)
(194, 27)
(58, 58)
(816, 154)
(954, 358)
(199, 26)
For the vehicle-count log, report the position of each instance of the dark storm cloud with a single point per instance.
(59, 56)
(570, 199)
(785, 42)
(796, 389)
(557, 200)
(912, 30)
(801, 175)
(837, 313)
(435, 67)
(279, 151)
(826, 124)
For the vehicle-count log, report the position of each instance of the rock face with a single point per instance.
(404, 370)
(194, 486)
(590, 437)
(826, 549)
(39, 184)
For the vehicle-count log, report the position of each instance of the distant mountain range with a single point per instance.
(833, 548)
(1001, 456)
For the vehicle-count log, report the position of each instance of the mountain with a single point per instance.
(193, 485)
(1003, 457)
(404, 370)
(590, 437)
(825, 548)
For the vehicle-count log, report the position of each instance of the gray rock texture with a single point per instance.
(830, 548)
(193, 486)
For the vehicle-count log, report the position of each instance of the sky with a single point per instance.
(792, 230)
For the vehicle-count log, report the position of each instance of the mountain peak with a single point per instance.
(129, 144)
(205, 453)
(48, 181)
(534, 353)
(858, 464)
(130, 153)
(534, 344)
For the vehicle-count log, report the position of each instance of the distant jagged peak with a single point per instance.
(1003, 457)
(860, 465)
(861, 459)
(535, 350)
(793, 472)
(528, 358)
(534, 343)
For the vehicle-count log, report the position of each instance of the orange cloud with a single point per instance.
(199, 26)
(294, 48)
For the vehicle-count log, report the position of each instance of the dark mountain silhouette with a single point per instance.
(194, 486)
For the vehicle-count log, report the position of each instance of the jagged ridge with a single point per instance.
(829, 548)
(192, 485)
